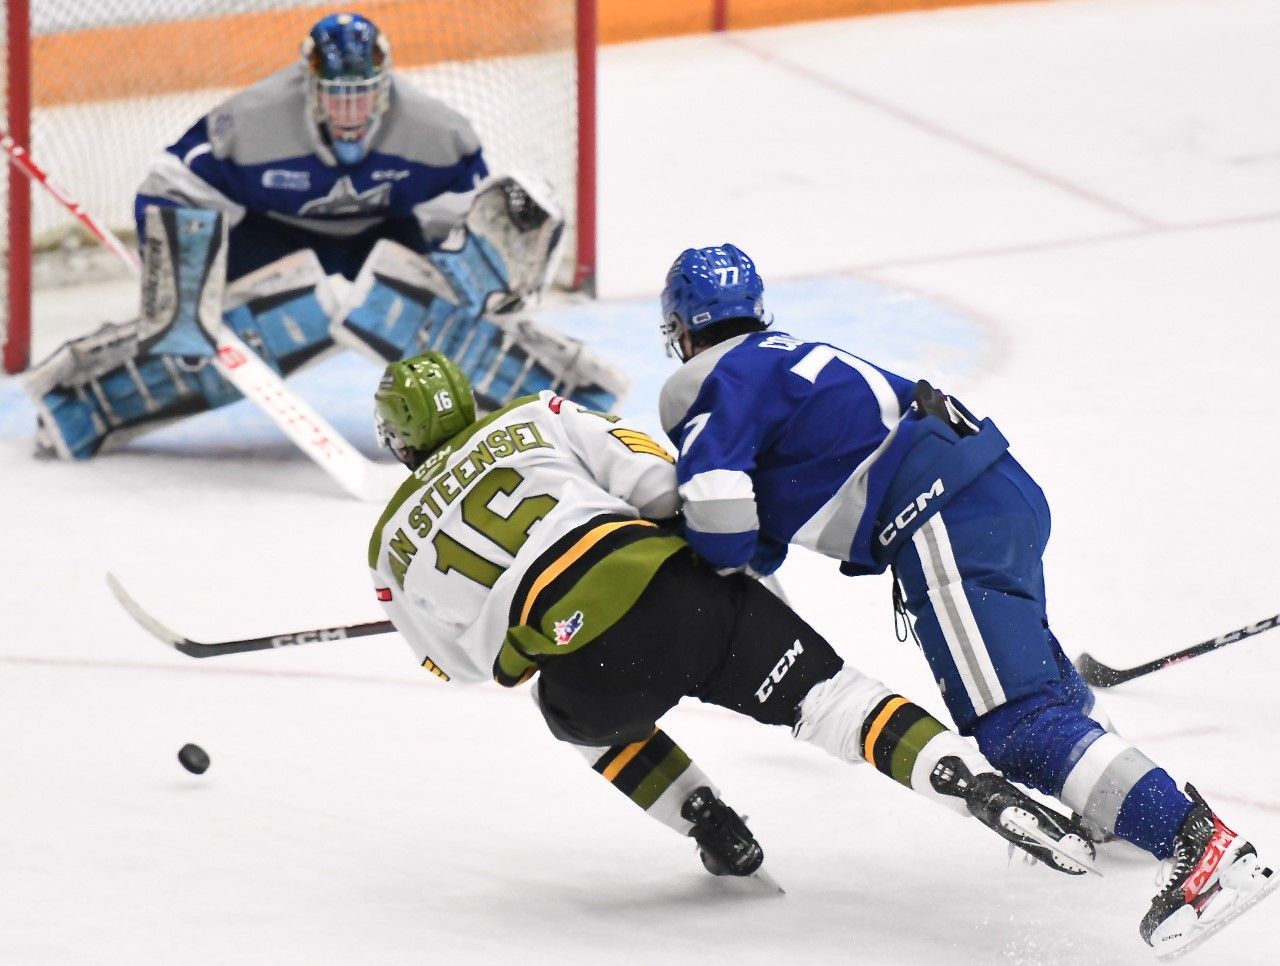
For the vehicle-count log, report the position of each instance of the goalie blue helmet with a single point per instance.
(348, 65)
(706, 286)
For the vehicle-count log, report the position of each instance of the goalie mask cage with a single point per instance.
(94, 89)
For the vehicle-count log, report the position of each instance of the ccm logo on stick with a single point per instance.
(910, 512)
(309, 637)
(1247, 631)
(779, 672)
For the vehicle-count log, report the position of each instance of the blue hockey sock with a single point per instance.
(1152, 813)
(1045, 741)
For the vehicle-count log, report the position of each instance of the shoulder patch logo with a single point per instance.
(554, 403)
(384, 594)
(566, 629)
(639, 442)
(285, 180)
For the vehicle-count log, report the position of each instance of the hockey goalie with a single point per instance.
(326, 206)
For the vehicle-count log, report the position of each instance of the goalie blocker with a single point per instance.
(97, 392)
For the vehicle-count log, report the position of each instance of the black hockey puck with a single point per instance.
(194, 759)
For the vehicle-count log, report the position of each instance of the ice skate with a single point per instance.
(1026, 824)
(1213, 877)
(725, 844)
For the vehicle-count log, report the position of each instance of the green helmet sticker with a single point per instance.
(421, 403)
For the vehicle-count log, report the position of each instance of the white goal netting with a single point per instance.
(114, 81)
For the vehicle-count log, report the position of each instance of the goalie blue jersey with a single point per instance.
(782, 441)
(260, 154)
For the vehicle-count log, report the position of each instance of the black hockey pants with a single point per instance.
(723, 640)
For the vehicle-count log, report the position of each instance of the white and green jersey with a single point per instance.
(477, 538)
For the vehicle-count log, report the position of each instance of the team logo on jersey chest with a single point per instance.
(344, 199)
(566, 629)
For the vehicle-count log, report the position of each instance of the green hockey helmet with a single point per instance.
(420, 403)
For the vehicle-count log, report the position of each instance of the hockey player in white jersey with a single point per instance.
(361, 213)
(533, 542)
(786, 441)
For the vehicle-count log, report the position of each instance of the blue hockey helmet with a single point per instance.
(706, 286)
(347, 60)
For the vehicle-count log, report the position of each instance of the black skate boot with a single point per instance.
(1041, 832)
(1213, 876)
(725, 844)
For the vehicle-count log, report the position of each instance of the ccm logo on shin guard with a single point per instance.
(910, 512)
(779, 672)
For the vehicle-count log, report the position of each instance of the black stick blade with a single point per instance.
(1098, 674)
(200, 649)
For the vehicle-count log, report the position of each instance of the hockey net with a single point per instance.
(112, 82)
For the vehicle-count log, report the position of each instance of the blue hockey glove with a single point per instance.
(768, 557)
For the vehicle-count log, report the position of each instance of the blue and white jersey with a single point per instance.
(795, 441)
(260, 152)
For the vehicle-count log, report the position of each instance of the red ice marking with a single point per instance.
(954, 137)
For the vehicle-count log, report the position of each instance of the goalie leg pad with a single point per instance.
(184, 274)
(98, 391)
(509, 357)
(284, 311)
(477, 275)
(400, 305)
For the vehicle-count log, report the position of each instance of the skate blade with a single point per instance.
(758, 883)
(1228, 915)
(767, 881)
(1072, 853)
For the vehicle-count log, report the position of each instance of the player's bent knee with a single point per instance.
(1033, 739)
(587, 723)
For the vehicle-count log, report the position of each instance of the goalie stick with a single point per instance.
(240, 366)
(187, 646)
(1101, 676)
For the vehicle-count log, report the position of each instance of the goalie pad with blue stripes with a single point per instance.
(98, 391)
(403, 304)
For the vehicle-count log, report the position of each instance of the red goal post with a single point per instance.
(95, 89)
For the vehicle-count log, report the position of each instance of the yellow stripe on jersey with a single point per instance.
(639, 442)
(588, 540)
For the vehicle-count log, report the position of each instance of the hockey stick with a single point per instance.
(240, 366)
(187, 646)
(1102, 676)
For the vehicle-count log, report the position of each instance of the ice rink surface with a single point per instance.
(1066, 213)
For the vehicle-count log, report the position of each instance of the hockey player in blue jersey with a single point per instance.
(784, 441)
(358, 212)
